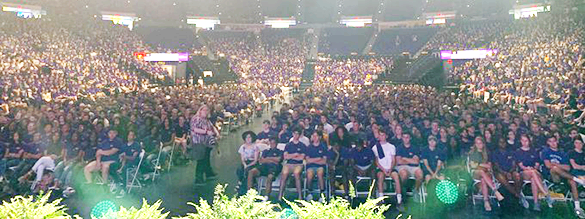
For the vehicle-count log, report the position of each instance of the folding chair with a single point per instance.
(132, 172)
(156, 163)
(421, 190)
(171, 155)
(476, 193)
(316, 180)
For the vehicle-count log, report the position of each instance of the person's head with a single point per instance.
(273, 142)
(30, 127)
(398, 130)
(525, 140)
(578, 143)
(382, 135)
(37, 137)
(355, 127)
(479, 143)
(181, 120)
(340, 130)
(323, 119)
(112, 134)
(551, 141)
(435, 126)
(487, 134)
(16, 136)
(249, 137)
(406, 139)
(131, 136)
(511, 135)
(266, 125)
(573, 133)
(443, 132)
(74, 137)
(502, 143)
(316, 137)
(432, 140)
(202, 111)
(48, 128)
(297, 132)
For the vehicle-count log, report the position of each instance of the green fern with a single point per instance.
(39, 207)
(145, 212)
(243, 207)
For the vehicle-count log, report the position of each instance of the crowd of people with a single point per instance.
(351, 70)
(59, 145)
(280, 61)
(59, 58)
(466, 35)
(414, 132)
(539, 62)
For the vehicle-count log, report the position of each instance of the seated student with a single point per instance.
(33, 151)
(339, 159)
(362, 161)
(408, 164)
(270, 166)
(385, 161)
(71, 155)
(504, 167)
(577, 160)
(285, 134)
(129, 156)
(249, 153)
(46, 163)
(316, 156)
(105, 156)
(433, 160)
(294, 154)
(266, 133)
(14, 152)
(557, 165)
(480, 169)
(528, 161)
(181, 132)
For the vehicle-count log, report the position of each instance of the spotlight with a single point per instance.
(447, 192)
(103, 207)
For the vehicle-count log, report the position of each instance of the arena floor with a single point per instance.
(176, 189)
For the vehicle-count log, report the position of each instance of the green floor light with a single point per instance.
(102, 208)
(288, 214)
(447, 192)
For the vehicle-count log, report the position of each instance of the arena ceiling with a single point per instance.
(253, 11)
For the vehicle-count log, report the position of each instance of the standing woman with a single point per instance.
(203, 134)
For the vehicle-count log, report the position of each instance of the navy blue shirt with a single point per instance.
(110, 144)
(527, 158)
(363, 157)
(408, 153)
(263, 135)
(272, 153)
(432, 157)
(72, 149)
(313, 151)
(129, 150)
(33, 148)
(285, 137)
(504, 159)
(579, 158)
(293, 148)
(557, 157)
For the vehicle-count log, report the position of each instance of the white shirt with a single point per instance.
(348, 126)
(389, 153)
(327, 128)
(303, 140)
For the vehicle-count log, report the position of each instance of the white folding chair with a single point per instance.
(156, 163)
(132, 172)
(171, 155)
(315, 189)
